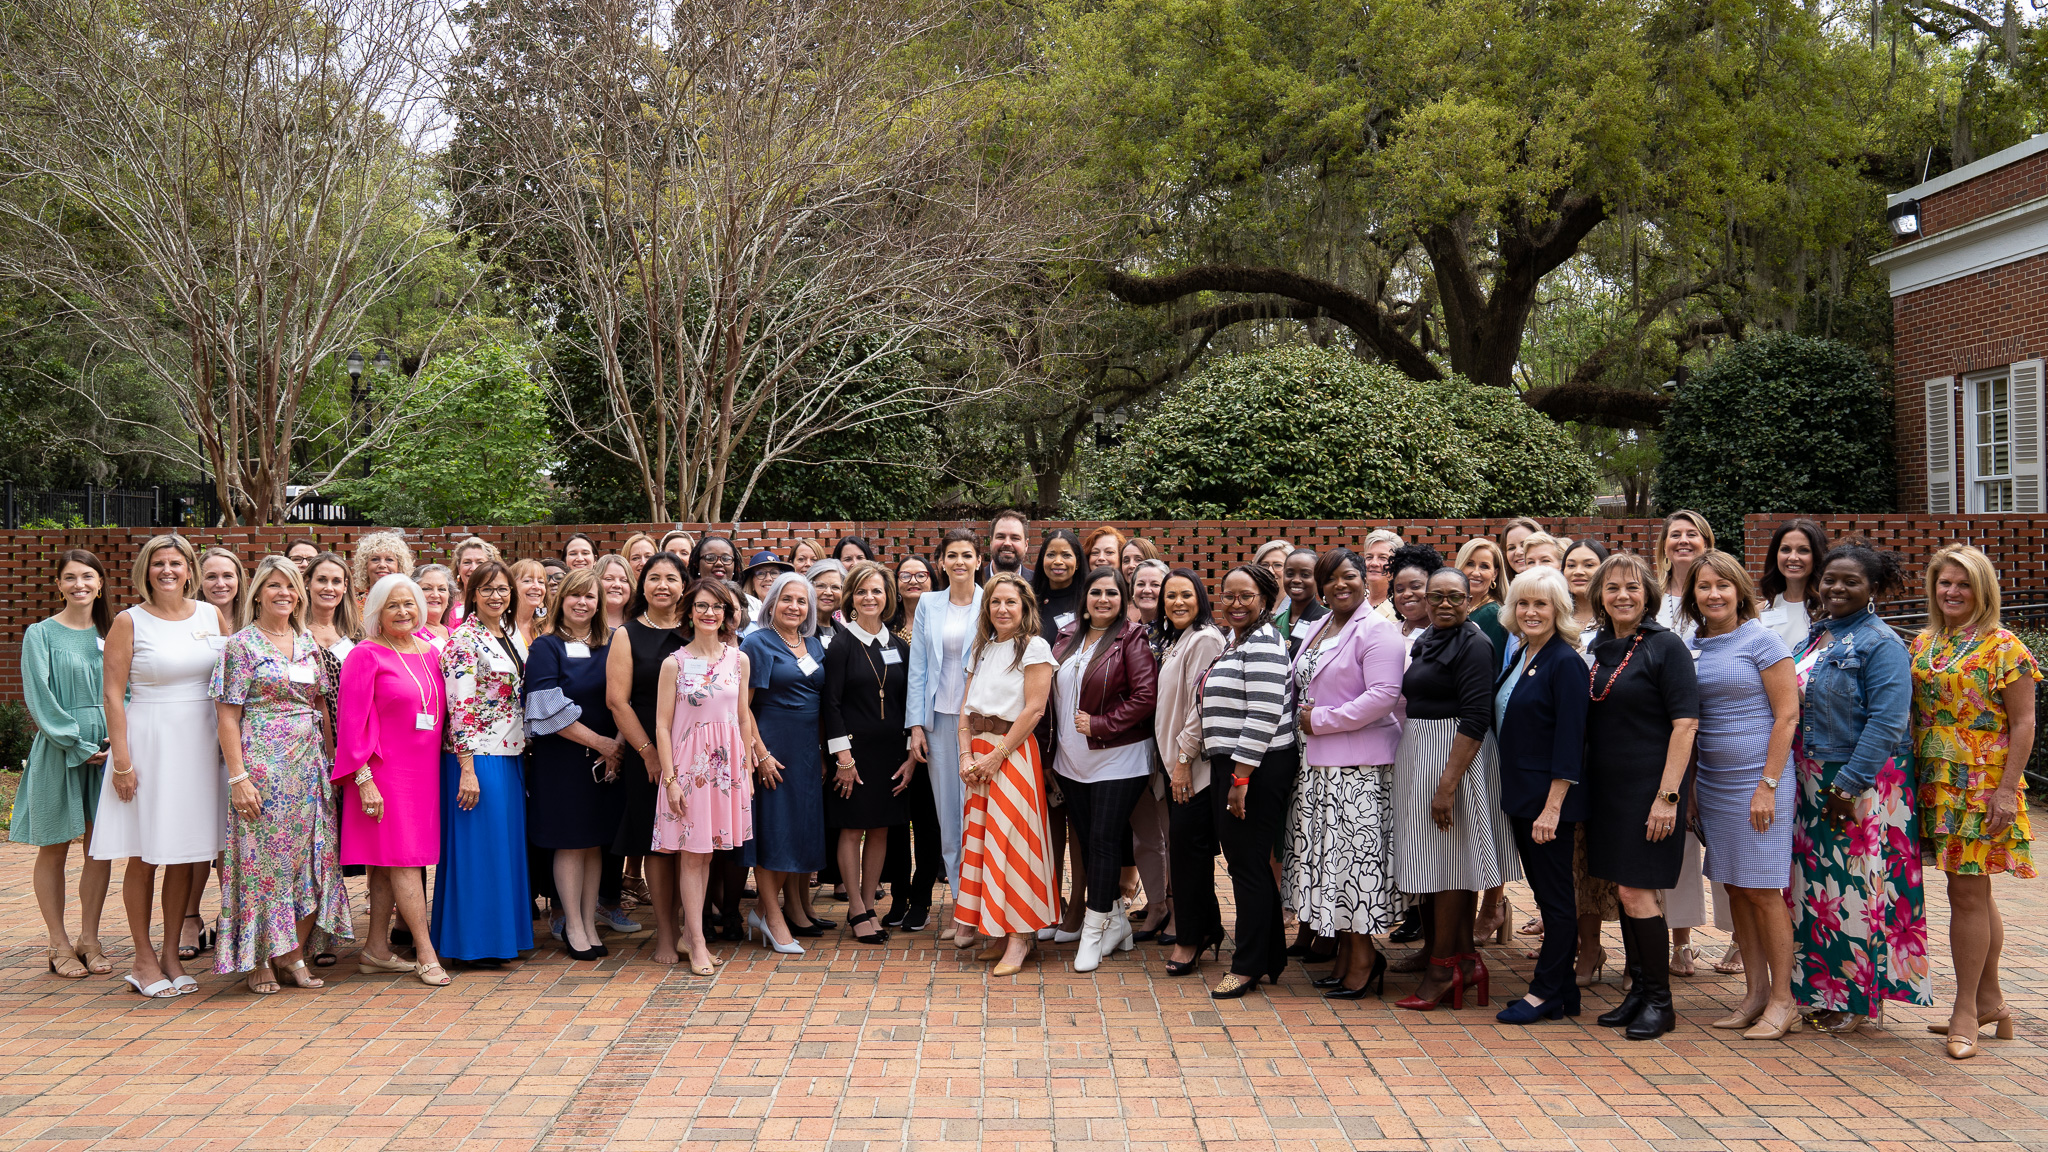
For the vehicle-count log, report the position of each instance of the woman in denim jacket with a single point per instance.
(1859, 917)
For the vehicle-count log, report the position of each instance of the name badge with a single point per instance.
(438, 643)
(578, 650)
(342, 648)
(1063, 619)
(300, 673)
(695, 667)
(1695, 654)
(424, 721)
(216, 642)
(825, 639)
(807, 666)
(891, 656)
(499, 662)
(101, 641)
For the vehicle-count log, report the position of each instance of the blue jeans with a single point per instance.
(949, 794)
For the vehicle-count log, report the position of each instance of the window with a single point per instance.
(1991, 443)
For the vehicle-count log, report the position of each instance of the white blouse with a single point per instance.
(1789, 619)
(997, 689)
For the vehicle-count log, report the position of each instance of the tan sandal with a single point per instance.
(67, 965)
(422, 970)
(94, 958)
(368, 963)
(1682, 961)
(268, 987)
(302, 976)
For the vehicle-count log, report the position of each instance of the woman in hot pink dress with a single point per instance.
(388, 755)
(703, 729)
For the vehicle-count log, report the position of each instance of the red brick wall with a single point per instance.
(2010, 185)
(2014, 543)
(1985, 320)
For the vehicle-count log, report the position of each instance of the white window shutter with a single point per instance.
(2026, 437)
(1941, 445)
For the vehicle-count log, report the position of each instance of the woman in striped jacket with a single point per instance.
(1248, 736)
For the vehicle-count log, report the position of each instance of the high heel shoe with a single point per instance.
(1007, 969)
(1765, 1030)
(1455, 990)
(1588, 979)
(1480, 981)
(1189, 967)
(756, 924)
(1378, 976)
(1739, 1020)
(2002, 1017)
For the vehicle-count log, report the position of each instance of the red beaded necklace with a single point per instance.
(1593, 673)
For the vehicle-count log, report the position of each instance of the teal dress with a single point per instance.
(60, 677)
(1487, 616)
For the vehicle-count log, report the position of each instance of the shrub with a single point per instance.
(17, 733)
(1778, 424)
(1300, 432)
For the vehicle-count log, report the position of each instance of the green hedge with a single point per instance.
(1300, 432)
(1778, 424)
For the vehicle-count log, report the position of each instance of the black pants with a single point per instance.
(1191, 866)
(611, 877)
(1100, 814)
(1548, 868)
(1248, 846)
(916, 858)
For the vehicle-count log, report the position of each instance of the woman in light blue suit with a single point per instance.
(940, 636)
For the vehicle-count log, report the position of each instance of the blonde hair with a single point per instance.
(1547, 584)
(557, 624)
(269, 564)
(1542, 540)
(1259, 555)
(1659, 560)
(378, 543)
(1727, 568)
(520, 568)
(468, 542)
(1027, 626)
(1497, 591)
(139, 575)
(1983, 589)
(862, 571)
(820, 551)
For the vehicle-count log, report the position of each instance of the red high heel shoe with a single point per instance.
(1455, 989)
(1478, 979)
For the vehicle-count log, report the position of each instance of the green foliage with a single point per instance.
(1779, 424)
(17, 733)
(1308, 433)
(481, 457)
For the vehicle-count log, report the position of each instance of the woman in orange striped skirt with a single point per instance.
(1006, 881)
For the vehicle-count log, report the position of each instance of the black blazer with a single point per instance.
(1543, 732)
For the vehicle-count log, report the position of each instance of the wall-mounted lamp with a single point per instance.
(1904, 218)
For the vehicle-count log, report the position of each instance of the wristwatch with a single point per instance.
(1770, 782)
(1668, 797)
(1185, 759)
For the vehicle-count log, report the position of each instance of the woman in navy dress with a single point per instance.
(574, 800)
(787, 664)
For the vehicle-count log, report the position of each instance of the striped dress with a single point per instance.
(1006, 882)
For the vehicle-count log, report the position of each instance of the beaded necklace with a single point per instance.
(1593, 673)
(1958, 647)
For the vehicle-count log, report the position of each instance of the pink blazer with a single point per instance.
(1353, 693)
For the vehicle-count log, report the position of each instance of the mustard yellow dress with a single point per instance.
(1962, 738)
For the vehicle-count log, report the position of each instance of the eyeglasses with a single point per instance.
(1446, 597)
(914, 578)
(1240, 597)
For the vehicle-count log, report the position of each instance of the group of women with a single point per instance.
(1367, 737)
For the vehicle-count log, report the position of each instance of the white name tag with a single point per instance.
(438, 642)
(101, 641)
(1063, 619)
(891, 656)
(424, 721)
(578, 650)
(499, 662)
(807, 666)
(301, 673)
(825, 639)
(1695, 654)
(216, 642)
(695, 667)
(342, 648)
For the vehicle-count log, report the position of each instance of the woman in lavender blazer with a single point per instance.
(1337, 860)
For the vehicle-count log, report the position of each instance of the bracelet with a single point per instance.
(234, 780)
(363, 777)
(119, 772)
(1240, 781)
(644, 747)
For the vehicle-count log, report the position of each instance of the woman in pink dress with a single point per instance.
(388, 754)
(703, 727)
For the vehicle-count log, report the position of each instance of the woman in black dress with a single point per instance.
(572, 755)
(866, 681)
(1640, 725)
(632, 683)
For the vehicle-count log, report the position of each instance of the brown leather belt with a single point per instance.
(985, 725)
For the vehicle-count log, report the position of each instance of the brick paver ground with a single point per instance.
(858, 1049)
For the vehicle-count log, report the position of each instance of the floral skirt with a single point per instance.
(1859, 914)
(280, 867)
(1337, 862)
(1952, 800)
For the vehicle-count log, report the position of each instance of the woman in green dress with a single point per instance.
(60, 678)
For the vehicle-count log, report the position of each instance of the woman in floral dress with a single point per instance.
(482, 906)
(703, 726)
(1859, 917)
(278, 873)
(1973, 703)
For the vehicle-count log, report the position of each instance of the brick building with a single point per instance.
(1969, 291)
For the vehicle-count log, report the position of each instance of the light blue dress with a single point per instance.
(1735, 736)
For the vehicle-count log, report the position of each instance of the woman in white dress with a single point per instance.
(164, 800)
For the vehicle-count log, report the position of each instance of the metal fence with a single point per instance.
(160, 506)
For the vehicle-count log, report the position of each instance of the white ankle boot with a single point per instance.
(1120, 936)
(1088, 957)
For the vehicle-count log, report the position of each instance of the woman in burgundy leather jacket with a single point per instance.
(1098, 727)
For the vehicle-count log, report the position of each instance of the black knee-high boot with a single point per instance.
(1653, 945)
(1624, 1013)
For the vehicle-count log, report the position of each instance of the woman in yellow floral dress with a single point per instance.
(1973, 705)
